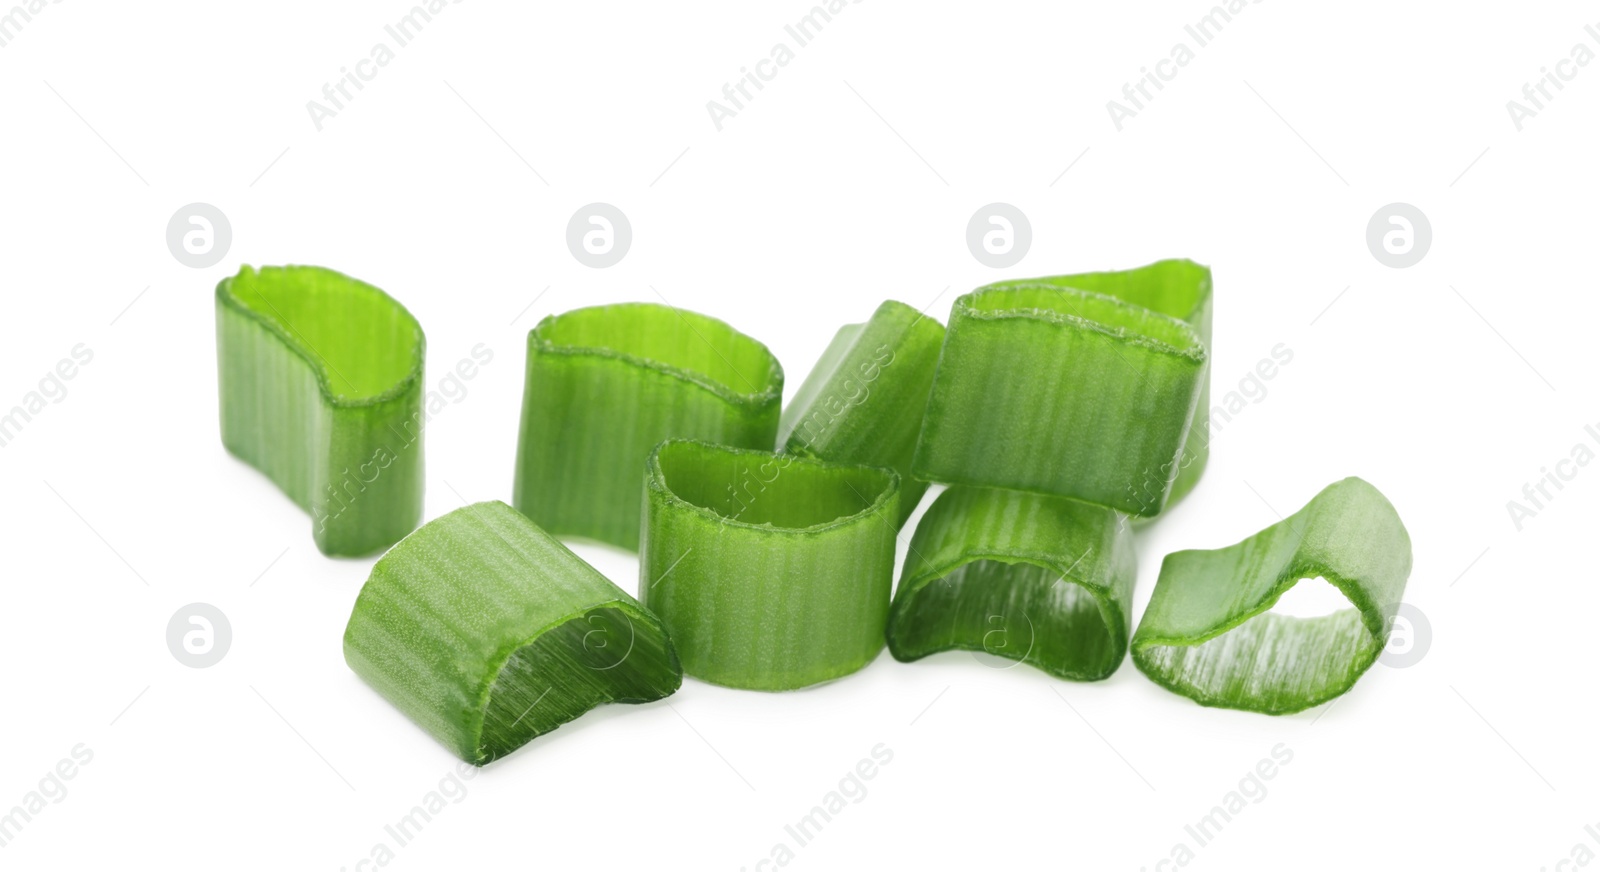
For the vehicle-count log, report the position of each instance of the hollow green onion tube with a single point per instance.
(320, 378)
(1208, 635)
(1042, 580)
(863, 401)
(1046, 387)
(771, 571)
(606, 384)
(487, 632)
(1179, 289)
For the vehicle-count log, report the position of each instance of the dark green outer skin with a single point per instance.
(1078, 543)
(863, 401)
(1349, 534)
(357, 466)
(761, 607)
(591, 416)
(444, 611)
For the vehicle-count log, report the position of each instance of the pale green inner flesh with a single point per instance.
(780, 490)
(681, 340)
(1272, 656)
(1111, 313)
(601, 657)
(364, 342)
(1020, 611)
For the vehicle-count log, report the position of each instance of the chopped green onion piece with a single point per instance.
(863, 401)
(1042, 580)
(606, 384)
(1180, 289)
(1061, 391)
(771, 571)
(487, 632)
(1208, 634)
(320, 379)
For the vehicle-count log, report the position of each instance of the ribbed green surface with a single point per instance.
(487, 632)
(606, 384)
(1180, 289)
(863, 401)
(320, 378)
(1043, 580)
(771, 571)
(1207, 633)
(1065, 392)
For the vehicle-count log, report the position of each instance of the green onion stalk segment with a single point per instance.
(320, 382)
(605, 384)
(1208, 633)
(1084, 386)
(487, 632)
(771, 571)
(863, 401)
(1042, 580)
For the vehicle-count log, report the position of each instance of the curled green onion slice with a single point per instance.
(1209, 636)
(487, 632)
(606, 384)
(1061, 391)
(1042, 580)
(771, 571)
(320, 378)
(863, 401)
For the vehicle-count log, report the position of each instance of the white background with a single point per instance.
(849, 179)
